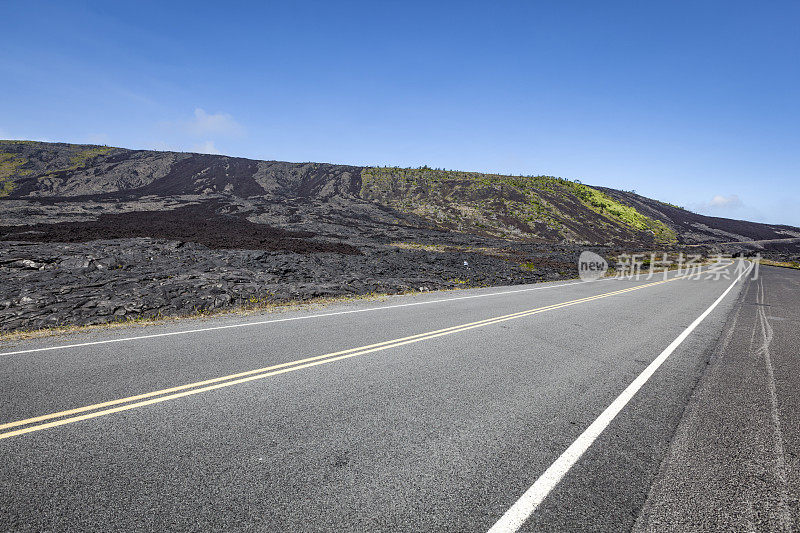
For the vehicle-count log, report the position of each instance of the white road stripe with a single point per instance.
(262, 322)
(288, 319)
(524, 507)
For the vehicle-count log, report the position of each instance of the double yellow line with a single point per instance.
(77, 414)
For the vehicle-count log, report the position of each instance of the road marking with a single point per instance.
(149, 398)
(524, 507)
(386, 344)
(288, 319)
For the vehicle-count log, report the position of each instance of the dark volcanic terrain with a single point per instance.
(92, 234)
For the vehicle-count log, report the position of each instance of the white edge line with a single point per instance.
(320, 315)
(524, 507)
(262, 322)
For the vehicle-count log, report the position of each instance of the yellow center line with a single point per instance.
(149, 398)
(237, 375)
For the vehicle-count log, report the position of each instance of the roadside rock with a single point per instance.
(106, 280)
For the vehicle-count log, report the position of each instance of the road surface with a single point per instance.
(614, 405)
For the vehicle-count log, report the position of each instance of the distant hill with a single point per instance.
(518, 208)
(93, 234)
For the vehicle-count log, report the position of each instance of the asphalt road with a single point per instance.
(472, 398)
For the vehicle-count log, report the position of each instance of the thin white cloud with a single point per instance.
(725, 202)
(199, 133)
(206, 147)
(727, 206)
(218, 124)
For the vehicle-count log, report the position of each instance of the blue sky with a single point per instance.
(695, 103)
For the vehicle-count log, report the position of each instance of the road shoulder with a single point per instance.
(732, 464)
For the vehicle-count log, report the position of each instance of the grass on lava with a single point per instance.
(249, 308)
(782, 264)
(429, 192)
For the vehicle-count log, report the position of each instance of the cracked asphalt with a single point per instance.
(428, 432)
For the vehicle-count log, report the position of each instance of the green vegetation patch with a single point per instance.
(10, 166)
(603, 204)
(672, 205)
(505, 206)
(82, 158)
(783, 264)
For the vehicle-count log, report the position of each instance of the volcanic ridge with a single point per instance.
(94, 234)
